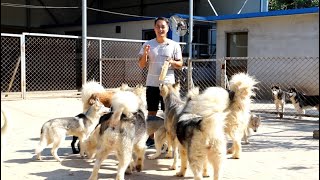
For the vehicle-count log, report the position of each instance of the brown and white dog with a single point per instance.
(93, 90)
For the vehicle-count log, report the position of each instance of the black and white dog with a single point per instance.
(279, 99)
(302, 101)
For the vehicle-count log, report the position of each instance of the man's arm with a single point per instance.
(143, 59)
(177, 64)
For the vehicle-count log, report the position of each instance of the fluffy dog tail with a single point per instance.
(43, 141)
(88, 89)
(242, 85)
(5, 124)
(124, 102)
(211, 101)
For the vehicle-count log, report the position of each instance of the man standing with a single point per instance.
(153, 54)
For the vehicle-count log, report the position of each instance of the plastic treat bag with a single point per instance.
(164, 70)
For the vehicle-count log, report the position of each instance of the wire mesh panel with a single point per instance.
(118, 71)
(301, 73)
(204, 73)
(52, 64)
(93, 60)
(10, 64)
(120, 64)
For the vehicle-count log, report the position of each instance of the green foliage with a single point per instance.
(292, 4)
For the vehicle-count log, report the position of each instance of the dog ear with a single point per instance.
(92, 99)
(176, 85)
(160, 86)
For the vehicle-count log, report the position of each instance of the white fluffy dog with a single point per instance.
(239, 110)
(200, 131)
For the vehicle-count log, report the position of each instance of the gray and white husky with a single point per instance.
(279, 99)
(254, 123)
(55, 130)
(125, 132)
(302, 101)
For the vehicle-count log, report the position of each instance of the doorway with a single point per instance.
(237, 46)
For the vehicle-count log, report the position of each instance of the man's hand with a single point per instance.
(144, 58)
(146, 50)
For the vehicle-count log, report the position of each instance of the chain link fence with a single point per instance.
(47, 65)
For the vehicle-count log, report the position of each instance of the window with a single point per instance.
(148, 34)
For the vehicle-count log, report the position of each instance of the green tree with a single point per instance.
(292, 4)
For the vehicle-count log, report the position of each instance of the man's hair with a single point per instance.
(161, 18)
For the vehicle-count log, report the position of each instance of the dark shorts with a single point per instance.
(154, 98)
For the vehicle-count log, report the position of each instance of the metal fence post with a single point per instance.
(189, 76)
(100, 62)
(23, 65)
(223, 72)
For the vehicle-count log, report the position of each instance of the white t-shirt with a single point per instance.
(160, 52)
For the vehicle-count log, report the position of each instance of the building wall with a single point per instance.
(278, 36)
(129, 30)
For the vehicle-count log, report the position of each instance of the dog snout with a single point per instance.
(255, 130)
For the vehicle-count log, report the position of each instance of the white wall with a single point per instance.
(129, 30)
(296, 35)
(278, 36)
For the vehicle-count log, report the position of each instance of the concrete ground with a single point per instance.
(280, 150)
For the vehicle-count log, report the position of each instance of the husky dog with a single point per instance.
(153, 127)
(302, 101)
(93, 90)
(5, 124)
(253, 124)
(239, 110)
(55, 130)
(200, 131)
(125, 133)
(279, 99)
(173, 106)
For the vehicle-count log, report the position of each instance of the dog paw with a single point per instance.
(229, 151)
(235, 157)
(180, 174)
(168, 156)
(172, 168)
(128, 171)
(205, 173)
(139, 168)
(153, 157)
